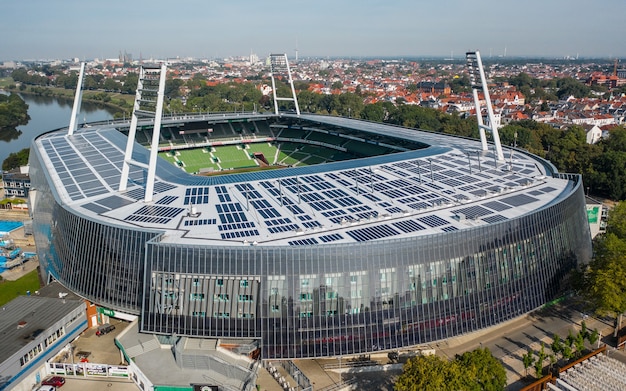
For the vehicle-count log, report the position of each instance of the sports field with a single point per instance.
(232, 157)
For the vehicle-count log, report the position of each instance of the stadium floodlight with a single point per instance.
(77, 100)
(479, 82)
(279, 67)
(148, 105)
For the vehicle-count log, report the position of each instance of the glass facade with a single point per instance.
(321, 300)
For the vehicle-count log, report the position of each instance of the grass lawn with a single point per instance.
(6, 81)
(9, 290)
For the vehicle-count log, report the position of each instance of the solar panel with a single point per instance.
(449, 229)
(547, 189)
(166, 200)
(330, 238)
(494, 219)
(239, 234)
(160, 187)
(519, 200)
(200, 222)
(372, 233)
(408, 226)
(114, 202)
(473, 211)
(303, 242)
(136, 193)
(196, 196)
(497, 206)
(433, 221)
(95, 208)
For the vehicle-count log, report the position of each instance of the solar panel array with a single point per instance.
(154, 214)
(425, 195)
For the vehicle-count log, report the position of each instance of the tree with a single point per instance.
(528, 360)
(593, 337)
(604, 279)
(428, 373)
(374, 112)
(475, 370)
(482, 371)
(541, 356)
(579, 343)
(16, 159)
(556, 345)
(13, 111)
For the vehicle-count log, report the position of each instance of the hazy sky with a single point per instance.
(44, 29)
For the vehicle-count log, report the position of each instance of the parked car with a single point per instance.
(104, 329)
(56, 381)
(46, 388)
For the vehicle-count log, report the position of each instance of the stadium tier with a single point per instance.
(349, 257)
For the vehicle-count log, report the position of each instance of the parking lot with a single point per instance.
(100, 350)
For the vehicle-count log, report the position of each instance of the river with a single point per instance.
(47, 113)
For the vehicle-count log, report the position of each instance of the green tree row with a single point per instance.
(603, 282)
(602, 165)
(564, 350)
(475, 370)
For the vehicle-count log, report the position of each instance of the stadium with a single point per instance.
(346, 237)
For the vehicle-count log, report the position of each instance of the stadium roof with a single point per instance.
(449, 185)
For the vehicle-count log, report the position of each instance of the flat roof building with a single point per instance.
(34, 329)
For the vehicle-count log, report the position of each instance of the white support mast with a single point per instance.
(78, 97)
(279, 66)
(148, 104)
(478, 81)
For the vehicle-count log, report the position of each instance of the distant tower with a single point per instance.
(296, 49)
(279, 66)
(479, 82)
(148, 105)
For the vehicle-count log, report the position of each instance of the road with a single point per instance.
(507, 342)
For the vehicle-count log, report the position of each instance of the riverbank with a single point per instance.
(123, 103)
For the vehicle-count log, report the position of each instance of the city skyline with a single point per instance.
(38, 29)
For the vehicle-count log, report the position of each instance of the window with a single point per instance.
(275, 308)
(221, 297)
(196, 282)
(331, 295)
(305, 296)
(245, 298)
(196, 296)
(304, 282)
(243, 283)
(221, 314)
(273, 291)
(220, 282)
(199, 313)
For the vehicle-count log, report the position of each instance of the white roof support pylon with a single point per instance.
(279, 65)
(78, 98)
(479, 81)
(148, 104)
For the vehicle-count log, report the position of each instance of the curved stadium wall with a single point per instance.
(320, 300)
